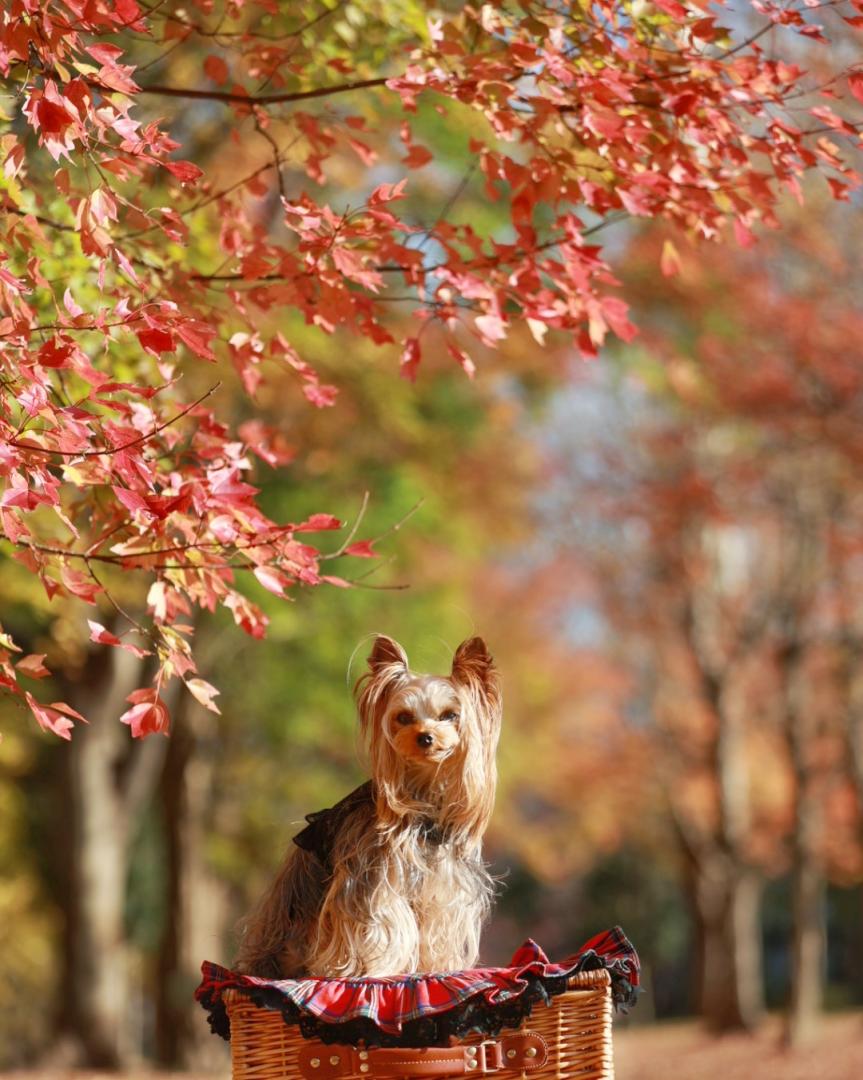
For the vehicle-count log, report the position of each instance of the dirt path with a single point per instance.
(672, 1051)
(684, 1052)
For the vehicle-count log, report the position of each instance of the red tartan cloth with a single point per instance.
(391, 1003)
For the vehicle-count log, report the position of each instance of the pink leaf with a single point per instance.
(272, 580)
(54, 717)
(464, 361)
(388, 193)
(32, 665)
(99, 634)
(410, 360)
(185, 171)
(855, 84)
(491, 328)
(148, 715)
(321, 395)
(70, 304)
(362, 549)
(743, 234)
(203, 692)
(318, 523)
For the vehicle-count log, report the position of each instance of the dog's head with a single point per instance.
(432, 737)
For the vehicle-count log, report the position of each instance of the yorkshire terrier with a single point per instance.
(391, 880)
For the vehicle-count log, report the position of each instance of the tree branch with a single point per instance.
(228, 97)
(116, 449)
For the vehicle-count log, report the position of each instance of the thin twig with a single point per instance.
(125, 446)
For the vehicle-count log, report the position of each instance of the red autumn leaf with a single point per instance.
(78, 584)
(361, 549)
(463, 360)
(99, 634)
(318, 523)
(33, 666)
(156, 341)
(672, 7)
(410, 360)
(55, 353)
(216, 69)
(58, 717)
(53, 119)
(148, 715)
(417, 156)
(855, 84)
(197, 336)
(248, 616)
(388, 193)
(185, 171)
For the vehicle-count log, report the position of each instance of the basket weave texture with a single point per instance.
(575, 1025)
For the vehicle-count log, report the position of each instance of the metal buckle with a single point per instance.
(497, 1062)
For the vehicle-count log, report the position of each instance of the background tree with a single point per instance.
(724, 515)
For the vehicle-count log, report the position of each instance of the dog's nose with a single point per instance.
(425, 739)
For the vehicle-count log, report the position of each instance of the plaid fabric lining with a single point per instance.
(488, 996)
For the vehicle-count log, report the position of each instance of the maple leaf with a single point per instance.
(204, 693)
(33, 666)
(156, 341)
(855, 84)
(273, 580)
(58, 717)
(99, 634)
(216, 69)
(361, 549)
(185, 171)
(410, 360)
(148, 715)
(573, 124)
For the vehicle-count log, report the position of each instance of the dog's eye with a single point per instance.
(449, 716)
(405, 718)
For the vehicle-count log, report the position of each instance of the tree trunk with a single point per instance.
(726, 891)
(197, 904)
(808, 952)
(104, 788)
(727, 911)
(808, 940)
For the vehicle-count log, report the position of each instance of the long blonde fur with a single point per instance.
(407, 890)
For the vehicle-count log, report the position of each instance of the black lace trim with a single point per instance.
(474, 1016)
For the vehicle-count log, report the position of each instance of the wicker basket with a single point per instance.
(571, 1037)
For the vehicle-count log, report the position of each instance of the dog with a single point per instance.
(391, 880)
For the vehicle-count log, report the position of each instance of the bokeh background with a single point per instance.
(663, 551)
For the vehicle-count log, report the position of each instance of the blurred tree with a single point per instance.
(795, 509)
(727, 499)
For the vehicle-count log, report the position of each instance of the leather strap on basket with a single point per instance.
(524, 1051)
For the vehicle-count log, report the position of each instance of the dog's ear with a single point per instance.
(385, 652)
(473, 662)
